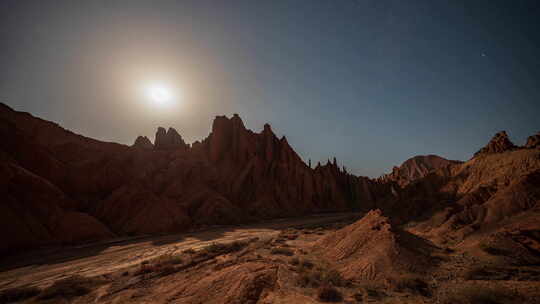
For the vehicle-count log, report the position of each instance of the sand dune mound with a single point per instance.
(371, 249)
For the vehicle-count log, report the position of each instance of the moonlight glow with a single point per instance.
(160, 95)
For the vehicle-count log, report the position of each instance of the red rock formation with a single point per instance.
(169, 139)
(498, 144)
(416, 168)
(233, 176)
(533, 141)
(142, 142)
(453, 203)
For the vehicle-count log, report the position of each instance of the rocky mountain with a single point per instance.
(52, 177)
(500, 183)
(62, 188)
(415, 168)
(426, 232)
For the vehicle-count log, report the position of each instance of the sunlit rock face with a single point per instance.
(499, 143)
(533, 141)
(416, 168)
(234, 175)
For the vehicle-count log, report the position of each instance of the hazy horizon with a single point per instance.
(371, 83)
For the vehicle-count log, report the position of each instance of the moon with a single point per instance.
(160, 95)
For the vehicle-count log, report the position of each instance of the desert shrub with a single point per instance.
(166, 259)
(125, 273)
(492, 249)
(449, 250)
(475, 294)
(328, 293)
(474, 273)
(295, 261)
(144, 269)
(71, 287)
(369, 291)
(189, 251)
(18, 294)
(223, 248)
(309, 279)
(410, 283)
(307, 264)
(214, 247)
(282, 251)
(167, 269)
(359, 297)
(334, 277)
(163, 265)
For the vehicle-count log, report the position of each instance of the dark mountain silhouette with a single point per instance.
(54, 177)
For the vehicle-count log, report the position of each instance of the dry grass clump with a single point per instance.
(164, 265)
(369, 290)
(282, 251)
(18, 294)
(310, 277)
(328, 293)
(71, 287)
(334, 277)
(223, 248)
(476, 294)
(144, 269)
(488, 248)
(189, 251)
(410, 283)
(301, 263)
(306, 264)
(168, 259)
(474, 273)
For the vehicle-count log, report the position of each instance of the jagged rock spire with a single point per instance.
(169, 139)
(499, 143)
(142, 142)
(533, 141)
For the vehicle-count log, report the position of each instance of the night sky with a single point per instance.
(369, 82)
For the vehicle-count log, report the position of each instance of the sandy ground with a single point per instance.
(43, 267)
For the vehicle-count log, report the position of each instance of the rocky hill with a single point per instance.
(499, 183)
(415, 168)
(372, 249)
